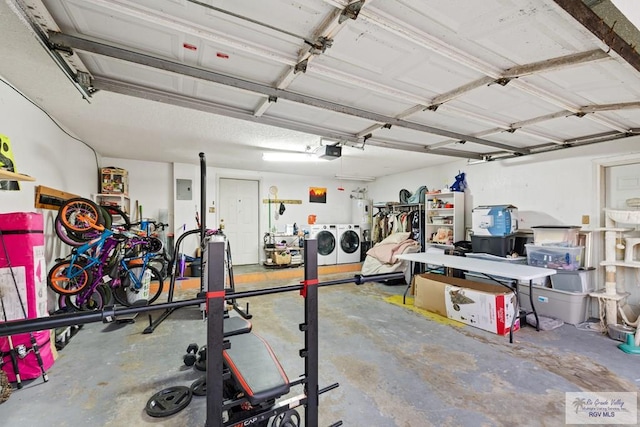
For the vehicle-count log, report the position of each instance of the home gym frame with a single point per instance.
(214, 300)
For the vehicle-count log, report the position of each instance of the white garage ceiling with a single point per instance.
(399, 84)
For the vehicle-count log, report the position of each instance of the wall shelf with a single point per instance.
(120, 200)
(13, 176)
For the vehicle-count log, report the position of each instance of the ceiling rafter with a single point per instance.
(611, 107)
(505, 127)
(523, 70)
(601, 29)
(427, 41)
(89, 45)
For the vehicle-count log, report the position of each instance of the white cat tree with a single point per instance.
(611, 297)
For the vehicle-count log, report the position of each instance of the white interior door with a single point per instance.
(239, 211)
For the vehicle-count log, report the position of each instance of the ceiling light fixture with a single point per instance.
(355, 178)
(290, 157)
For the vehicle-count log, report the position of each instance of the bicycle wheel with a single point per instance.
(81, 215)
(65, 278)
(80, 302)
(108, 219)
(65, 235)
(161, 262)
(119, 217)
(154, 245)
(127, 295)
(108, 294)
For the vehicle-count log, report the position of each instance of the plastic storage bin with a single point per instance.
(558, 257)
(570, 307)
(555, 235)
(495, 245)
(574, 281)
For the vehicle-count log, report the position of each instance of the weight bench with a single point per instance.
(255, 369)
(235, 325)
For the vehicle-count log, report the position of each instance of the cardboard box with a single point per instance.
(114, 181)
(496, 220)
(24, 262)
(485, 306)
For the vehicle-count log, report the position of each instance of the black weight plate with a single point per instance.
(199, 387)
(201, 365)
(168, 401)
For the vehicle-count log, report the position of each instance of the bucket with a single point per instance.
(196, 268)
(134, 295)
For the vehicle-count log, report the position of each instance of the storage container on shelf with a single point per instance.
(555, 235)
(495, 245)
(494, 220)
(558, 257)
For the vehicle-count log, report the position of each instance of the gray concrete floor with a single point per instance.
(395, 367)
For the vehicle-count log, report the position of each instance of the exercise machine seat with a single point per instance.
(255, 368)
(235, 325)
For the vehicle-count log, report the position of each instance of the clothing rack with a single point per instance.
(414, 221)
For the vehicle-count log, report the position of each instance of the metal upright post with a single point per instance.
(203, 217)
(215, 337)
(310, 328)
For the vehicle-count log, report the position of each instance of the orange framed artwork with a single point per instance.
(317, 195)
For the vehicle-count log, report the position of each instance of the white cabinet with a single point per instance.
(119, 200)
(444, 223)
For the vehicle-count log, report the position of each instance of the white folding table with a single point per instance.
(494, 270)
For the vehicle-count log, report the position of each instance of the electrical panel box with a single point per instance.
(184, 189)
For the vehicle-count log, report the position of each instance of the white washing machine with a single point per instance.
(349, 238)
(327, 237)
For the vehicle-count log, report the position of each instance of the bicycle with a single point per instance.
(107, 267)
(78, 278)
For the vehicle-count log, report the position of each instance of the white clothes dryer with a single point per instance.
(349, 243)
(327, 237)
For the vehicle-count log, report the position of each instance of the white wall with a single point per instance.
(548, 188)
(151, 181)
(336, 210)
(153, 185)
(43, 151)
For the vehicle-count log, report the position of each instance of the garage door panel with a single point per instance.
(318, 117)
(504, 103)
(381, 100)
